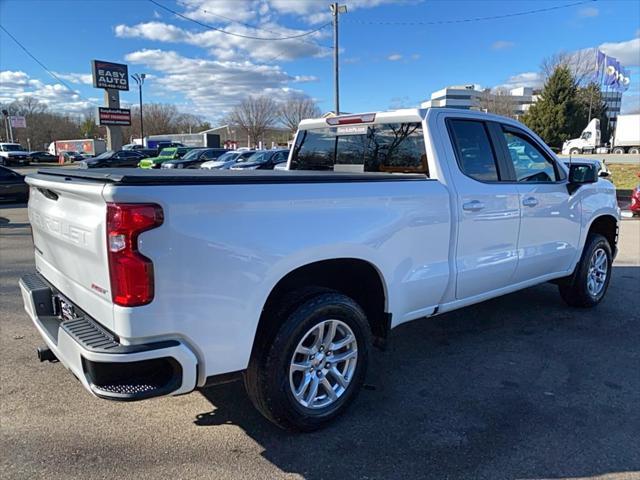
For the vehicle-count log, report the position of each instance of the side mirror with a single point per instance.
(581, 174)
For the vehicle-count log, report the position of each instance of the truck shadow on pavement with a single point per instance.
(517, 387)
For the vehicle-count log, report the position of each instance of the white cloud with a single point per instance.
(15, 85)
(77, 78)
(305, 78)
(212, 87)
(229, 47)
(502, 45)
(628, 53)
(588, 12)
(525, 79)
(394, 57)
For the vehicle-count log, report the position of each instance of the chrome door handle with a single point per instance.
(530, 202)
(473, 206)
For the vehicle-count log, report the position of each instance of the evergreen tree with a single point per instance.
(556, 115)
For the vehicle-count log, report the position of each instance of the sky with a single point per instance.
(393, 53)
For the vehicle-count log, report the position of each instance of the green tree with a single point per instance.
(89, 128)
(557, 115)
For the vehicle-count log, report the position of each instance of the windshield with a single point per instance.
(257, 157)
(106, 154)
(12, 147)
(390, 147)
(167, 152)
(227, 157)
(192, 155)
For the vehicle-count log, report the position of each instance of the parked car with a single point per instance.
(226, 161)
(635, 200)
(72, 156)
(13, 186)
(195, 158)
(13, 154)
(42, 157)
(382, 219)
(166, 154)
(121, 158)
(262, 160)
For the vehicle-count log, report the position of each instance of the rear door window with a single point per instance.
(390, 147)
(474, 151)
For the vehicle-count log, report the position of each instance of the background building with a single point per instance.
(236, 137)
(512, 102)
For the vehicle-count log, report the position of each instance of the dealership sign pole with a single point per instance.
(112, 77)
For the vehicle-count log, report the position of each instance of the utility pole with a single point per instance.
(336, 10)
(139, 78)
(5, 113)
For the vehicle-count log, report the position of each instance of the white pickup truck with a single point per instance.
(160, 282)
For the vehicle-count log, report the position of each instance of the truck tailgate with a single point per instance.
(68, 220)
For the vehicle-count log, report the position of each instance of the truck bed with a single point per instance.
(130, 176)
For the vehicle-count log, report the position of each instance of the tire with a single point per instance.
(618, 150)
(574, 151)
(578, 291)
(271, 378)
(634, 150)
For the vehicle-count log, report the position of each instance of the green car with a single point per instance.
(169, 153)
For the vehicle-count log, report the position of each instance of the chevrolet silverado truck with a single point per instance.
(154, 283)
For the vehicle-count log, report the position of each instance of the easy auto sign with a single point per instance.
(110, 75)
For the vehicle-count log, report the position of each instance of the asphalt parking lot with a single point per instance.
(520, 387)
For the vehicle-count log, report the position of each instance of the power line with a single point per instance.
(473, 19)
(210, 27)
(44, 66)
(255, 27)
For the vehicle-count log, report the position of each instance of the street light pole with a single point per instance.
(139, 78)
(336, 10)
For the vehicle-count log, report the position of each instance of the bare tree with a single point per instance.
(498, 101)
(296, 108)
(581, 63)
(255, 115)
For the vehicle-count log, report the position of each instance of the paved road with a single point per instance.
(520, 387)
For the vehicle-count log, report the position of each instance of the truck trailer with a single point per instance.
(626, 138)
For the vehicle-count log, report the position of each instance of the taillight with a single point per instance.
(131, 272)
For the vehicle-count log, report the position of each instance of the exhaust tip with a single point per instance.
(46, 355)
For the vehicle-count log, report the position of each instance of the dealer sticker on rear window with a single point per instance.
(357, 130)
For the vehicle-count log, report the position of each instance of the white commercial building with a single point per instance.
(471, 97)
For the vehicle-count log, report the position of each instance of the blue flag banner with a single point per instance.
(625, 80)
(611, 70)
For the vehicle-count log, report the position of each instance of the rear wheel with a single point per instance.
(315, 365)
(589, 284)
(634, 150)
(618, 150)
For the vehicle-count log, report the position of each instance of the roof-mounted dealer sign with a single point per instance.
(110, 75)
(114, 116)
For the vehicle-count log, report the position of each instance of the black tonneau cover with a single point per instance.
(138, 176)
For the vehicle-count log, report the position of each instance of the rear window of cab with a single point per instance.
(388, 147)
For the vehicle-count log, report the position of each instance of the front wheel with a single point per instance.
(315, 365)
(574, 151)
(589, 284)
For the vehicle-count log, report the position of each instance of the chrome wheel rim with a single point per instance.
(323, 364)
(598, 271)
